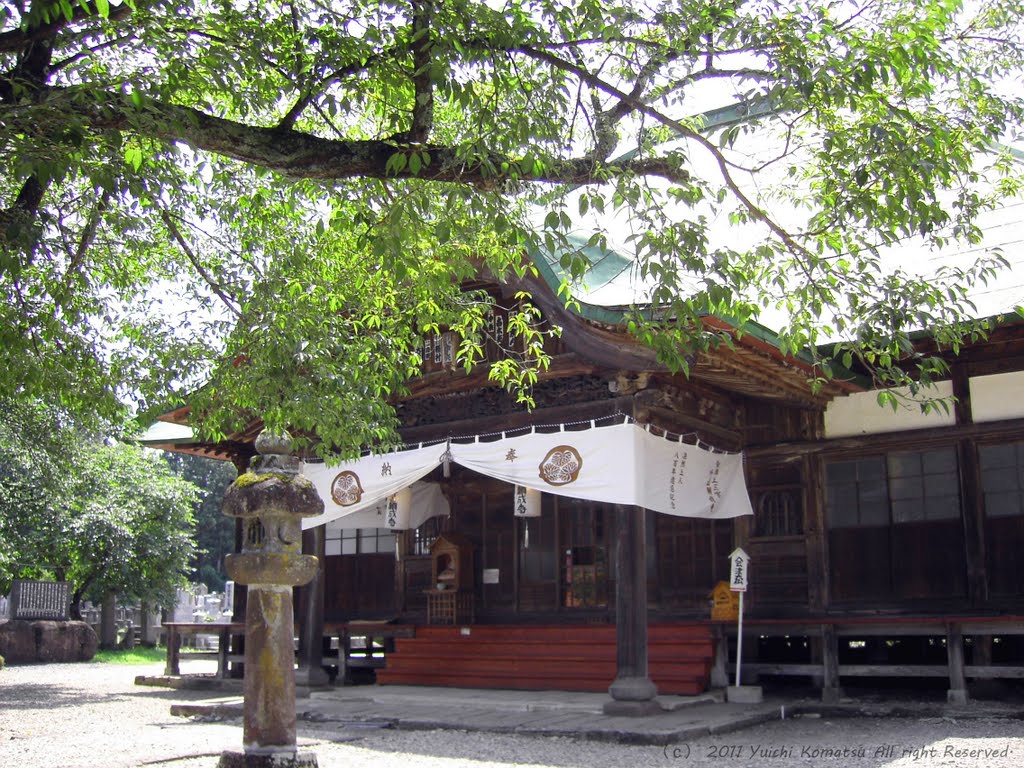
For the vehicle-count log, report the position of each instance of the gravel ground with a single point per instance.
(86, 715)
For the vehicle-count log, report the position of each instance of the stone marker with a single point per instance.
(271, 498)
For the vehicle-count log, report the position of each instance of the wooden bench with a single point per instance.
(339, 633)
(176, 631)
(953, 629)
(354, 656)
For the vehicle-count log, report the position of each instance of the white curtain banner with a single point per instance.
(619, 464)
(362, 484)
(427, 501)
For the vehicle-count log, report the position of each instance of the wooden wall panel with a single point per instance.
(693, 555)
(928, 560)
(359, 586)
(859, 560)
(778, 574)
(1004, 538)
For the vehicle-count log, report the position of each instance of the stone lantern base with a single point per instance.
(273, 760)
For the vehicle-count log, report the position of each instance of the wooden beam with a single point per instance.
(457, 380)
(726, 439)
(980, 672)
(512, 421)
(1012, 429)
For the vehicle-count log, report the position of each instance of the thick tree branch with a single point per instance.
(19, 39)
(299, 155)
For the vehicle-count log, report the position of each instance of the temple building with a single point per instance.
(881, 541)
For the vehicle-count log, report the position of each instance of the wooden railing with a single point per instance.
(831, 629)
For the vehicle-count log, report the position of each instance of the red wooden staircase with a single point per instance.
(548, 657)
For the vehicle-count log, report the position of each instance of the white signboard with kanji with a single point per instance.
(739, 570)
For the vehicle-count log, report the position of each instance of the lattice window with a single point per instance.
(1002, 479)
(362, 541)
(779, 512)
(904, 487)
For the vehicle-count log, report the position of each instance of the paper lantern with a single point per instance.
(398, 510)
(526, 502)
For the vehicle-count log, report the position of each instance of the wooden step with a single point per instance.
(689, 651)
(525, 633)
(548, 657)
(577, 668)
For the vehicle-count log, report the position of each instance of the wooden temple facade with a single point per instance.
(879, 540)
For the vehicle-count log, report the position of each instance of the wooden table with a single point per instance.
(223, 632)
(343, 631)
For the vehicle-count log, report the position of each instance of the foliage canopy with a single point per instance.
(106, 517)
(301, 186)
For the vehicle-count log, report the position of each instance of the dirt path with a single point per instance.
(91, 715)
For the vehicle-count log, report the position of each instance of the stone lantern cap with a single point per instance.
(273, 486)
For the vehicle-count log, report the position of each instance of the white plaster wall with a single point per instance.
(860, 413)
(1000, 396)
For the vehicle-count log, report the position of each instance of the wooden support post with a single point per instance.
(311, 599)
(982, 655)
(241, 596)
(223, 650)
(173, 666)
(815, 534)
(815, 648)
(957, 693)
(344, 646)
(972, 495)
(632, 691)
(830, 690)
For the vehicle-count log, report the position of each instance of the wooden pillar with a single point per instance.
(241, 595)
(240, 599)
(311, 601)
(632, 693)
(173, 666)
(830, 690)
(957, 693)
(815, 533)
(971, 494)
(223, 651)
(402, 541)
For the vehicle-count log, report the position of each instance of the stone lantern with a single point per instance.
(271, 499)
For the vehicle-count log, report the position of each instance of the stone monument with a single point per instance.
(271, 499)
